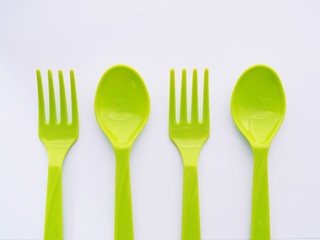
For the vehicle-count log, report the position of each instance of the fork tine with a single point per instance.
(206, 114)
(42, 115)
(183, 101)
(63, 101)
(194, 105)
(52, 101)
(172, 98)
(74, 102)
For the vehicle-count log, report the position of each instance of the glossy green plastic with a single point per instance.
(57, 137)
(189, 137)
(122, 108)
(258, 108)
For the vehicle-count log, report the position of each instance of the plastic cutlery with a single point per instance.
(57, 137)
(189, 137)
(258, 108)
(122, 109)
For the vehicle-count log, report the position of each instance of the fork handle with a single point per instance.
(123, 225)
(190, 205)
(260, 222)
(53, 221)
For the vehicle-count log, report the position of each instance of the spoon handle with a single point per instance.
(190, 206)
(123, 225)
(260, 223)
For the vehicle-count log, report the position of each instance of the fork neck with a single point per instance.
(56, 156)
(190, 156)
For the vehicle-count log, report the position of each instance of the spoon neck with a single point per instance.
(122, 154)
(260, 154)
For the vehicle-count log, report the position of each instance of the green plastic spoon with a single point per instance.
(122, 108)
(258, 108)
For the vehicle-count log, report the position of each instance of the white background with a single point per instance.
(154, 36)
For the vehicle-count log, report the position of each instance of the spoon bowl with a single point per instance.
(258, 104)
(122, 104)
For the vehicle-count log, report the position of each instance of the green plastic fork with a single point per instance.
(57, 137)
(189, 137)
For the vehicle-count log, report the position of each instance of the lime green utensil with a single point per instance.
(57, 137)
(122, 108)
(258, 108)
(189, 137)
